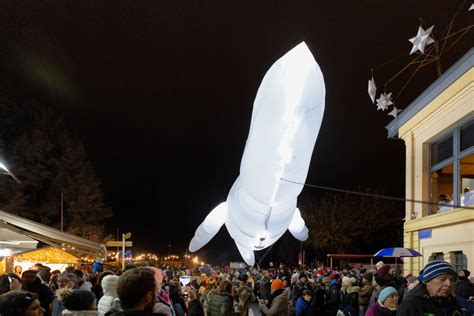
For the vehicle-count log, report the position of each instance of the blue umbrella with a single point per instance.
(398, 252)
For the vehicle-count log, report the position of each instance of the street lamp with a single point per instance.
(2, 166)
(124, 237)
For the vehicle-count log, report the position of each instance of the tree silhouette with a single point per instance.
(348, 223)
(49, 161)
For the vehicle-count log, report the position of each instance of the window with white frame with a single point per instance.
(452, 169)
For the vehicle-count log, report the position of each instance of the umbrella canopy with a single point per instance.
(397, 252)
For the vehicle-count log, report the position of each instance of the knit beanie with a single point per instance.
(386, 292)
(76, 300)
(436, 268)
(302, 275)
(277, 284)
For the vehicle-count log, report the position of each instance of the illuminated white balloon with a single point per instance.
(286, 119)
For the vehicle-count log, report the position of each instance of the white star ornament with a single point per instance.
(384, 101)
(394, 112)
(421, 40)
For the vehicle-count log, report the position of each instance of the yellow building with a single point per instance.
(438, 131)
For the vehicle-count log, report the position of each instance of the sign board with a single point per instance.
(128, 254)
(117, 243)
(424, 233)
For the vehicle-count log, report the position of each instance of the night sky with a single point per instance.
(161, 93)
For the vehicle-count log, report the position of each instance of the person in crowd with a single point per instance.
(244, 295)
(467, 198)
(333, 298)
(283, 273)
(18, 303)
(70, 269)
(97, 288)
(68, 280)
(265, 284)
(176, 298)
(366, 292)
(412, 281)
(277, 303)
(32, 283)
(301, 285)
(221, 304)
(464, 291)
(77, 302)
(319, 293)
(18, 270)
(386, 304)
(463, 287)
(210, 290)
(83, 277)
(136, 290)
(379, 264)
(163, 302)
(54, 281)
(445, 203)
(194, 305)
(10, 282)
(44, 275)
(349, 296)
(109, 299)
(433, 295)
(303, 305)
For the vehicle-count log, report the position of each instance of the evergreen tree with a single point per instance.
(49, 161)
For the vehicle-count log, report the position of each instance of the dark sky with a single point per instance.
(161, 93)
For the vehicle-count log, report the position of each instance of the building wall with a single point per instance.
(448, 110)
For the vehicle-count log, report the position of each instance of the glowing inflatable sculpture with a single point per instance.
(286, 119)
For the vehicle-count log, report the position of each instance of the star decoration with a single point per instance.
(394, 112)
(372, 89)
(421, 39)
(471, 7)
(384, 101)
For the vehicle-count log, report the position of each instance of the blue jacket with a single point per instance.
(303, 308)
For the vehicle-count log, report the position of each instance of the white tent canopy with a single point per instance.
(23, 232)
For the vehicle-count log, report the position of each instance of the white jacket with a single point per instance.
(109, 286)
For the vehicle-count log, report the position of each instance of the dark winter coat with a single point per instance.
(377, 310)
(139, 313)
(195, 308)
(220, 305)
(419, 302)
(365, 294)
(333, 299)
(279, 305)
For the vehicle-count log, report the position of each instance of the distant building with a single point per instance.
(438, 130)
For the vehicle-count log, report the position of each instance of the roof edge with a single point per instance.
(454, 72)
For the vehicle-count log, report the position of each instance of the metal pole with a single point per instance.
(62, 211)
(123, 252)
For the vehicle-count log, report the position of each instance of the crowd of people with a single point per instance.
(147, 290)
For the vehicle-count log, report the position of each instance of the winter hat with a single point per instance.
(76, 300)
(347, 281)
(211, 281)
(326, 280)
(386, 292)
(302, 275)
(15, 303)
(436, 268)
(277, 284)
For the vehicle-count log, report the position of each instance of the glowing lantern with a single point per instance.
(286, 119)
